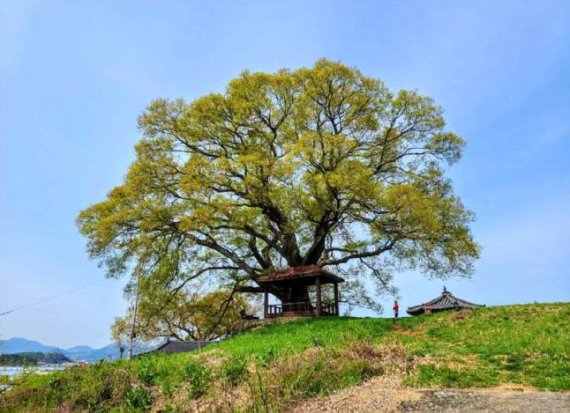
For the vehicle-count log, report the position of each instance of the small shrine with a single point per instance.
(445, 302)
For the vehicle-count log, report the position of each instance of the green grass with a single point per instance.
(280, 364)
(528, 345)
(282, 339)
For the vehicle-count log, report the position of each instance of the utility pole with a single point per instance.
(133, 325)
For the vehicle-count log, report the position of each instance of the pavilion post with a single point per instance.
(336, 298)
(319, 304)
(265, 302)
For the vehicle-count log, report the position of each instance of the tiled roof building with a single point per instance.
(446, 301)
(171, 347)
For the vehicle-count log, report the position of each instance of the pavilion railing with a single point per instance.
(300, 308)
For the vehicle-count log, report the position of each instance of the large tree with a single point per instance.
(319, 165)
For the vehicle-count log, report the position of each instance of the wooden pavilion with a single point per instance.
(446, 301)
(299, 278)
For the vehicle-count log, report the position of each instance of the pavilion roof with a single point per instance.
(446, 301)
(298, 273)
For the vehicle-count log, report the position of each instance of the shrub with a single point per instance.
(138, 399)
(147, 370)
(199, 377)
(234, 370)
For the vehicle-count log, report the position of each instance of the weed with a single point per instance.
(198, 377)
(234, 370)
(138, 399)
(147, 370)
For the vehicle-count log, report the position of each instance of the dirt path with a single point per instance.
(386, 395)
(498, 401)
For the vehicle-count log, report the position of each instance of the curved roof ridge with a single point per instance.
(445, 301)
(466, 302)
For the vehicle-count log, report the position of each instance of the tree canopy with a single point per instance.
(184, 316)
(319, 165)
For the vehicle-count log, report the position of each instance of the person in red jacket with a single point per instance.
(396, 309)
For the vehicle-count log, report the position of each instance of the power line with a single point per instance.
(43, 300)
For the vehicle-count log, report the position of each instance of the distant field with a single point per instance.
(273, 367)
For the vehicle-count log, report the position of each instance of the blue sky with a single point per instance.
(74, 76)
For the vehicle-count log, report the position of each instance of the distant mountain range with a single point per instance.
(77, 353)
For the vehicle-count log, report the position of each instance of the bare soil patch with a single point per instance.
(380, 394)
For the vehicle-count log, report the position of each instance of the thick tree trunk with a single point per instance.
(291, 294)
(314, 254)
(299, 294)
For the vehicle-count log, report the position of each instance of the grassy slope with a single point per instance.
(280, 364)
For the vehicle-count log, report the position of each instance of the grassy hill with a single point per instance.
(283, 363)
